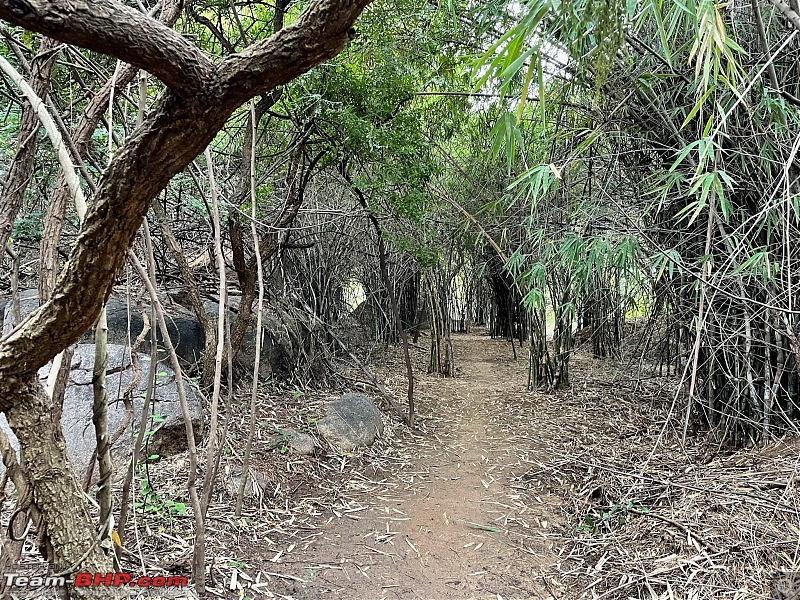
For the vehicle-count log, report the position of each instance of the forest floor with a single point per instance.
(502, 493)
(499, 493)
(441, 528)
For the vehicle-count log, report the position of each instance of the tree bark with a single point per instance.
(82, 138)
(20, 173)
(74, 545)
(110, 27)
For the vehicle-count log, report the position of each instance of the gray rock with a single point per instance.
(279, 345)
(281, 341)
(301, 443)
(211, 306)
(28, 302)
(168, 427)
(255, 486)
(184, 329)
(351, 421)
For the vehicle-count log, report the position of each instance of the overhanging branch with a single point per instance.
(110, 27)
(320, 33)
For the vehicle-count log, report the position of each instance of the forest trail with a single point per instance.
(444, 528)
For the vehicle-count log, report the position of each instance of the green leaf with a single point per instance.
(698, 105)
(506, 138)
(655, 8)
(684, 153)
(485, 527)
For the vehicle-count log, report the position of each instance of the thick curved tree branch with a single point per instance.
(177, 130)
(110, 27)
(196, 106)
(320, 33)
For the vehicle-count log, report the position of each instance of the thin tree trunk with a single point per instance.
(99, 392)
(208, 324)
(145, 415)
(214, 447)
(384, 269)
(22, 167)
(259, 317)
(198, 564)
(151, 376)
(100, 421)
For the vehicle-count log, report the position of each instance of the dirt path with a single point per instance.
(451, 526)
(505, 494)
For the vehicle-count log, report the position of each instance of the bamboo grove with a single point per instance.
(651, 153)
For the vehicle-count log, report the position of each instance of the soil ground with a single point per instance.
(591, 491)
(442, 532)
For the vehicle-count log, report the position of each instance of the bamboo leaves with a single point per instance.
(507, 55)
(668, 261)
(712, 46)
(655, 7)
(537, 182)
(676, 115)
(507, 139)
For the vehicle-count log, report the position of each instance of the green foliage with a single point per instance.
(8, 131)
(604, 520)
(365, 106)
(668, 261)
(29, 227)
(151, 503)
(155, 420)
(507, 139)
(590, 29)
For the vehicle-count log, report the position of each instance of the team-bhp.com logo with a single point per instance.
(95, 580)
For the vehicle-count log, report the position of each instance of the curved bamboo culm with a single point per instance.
(50, 127)
(66, 164)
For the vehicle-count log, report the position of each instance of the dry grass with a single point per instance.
(651, 520)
